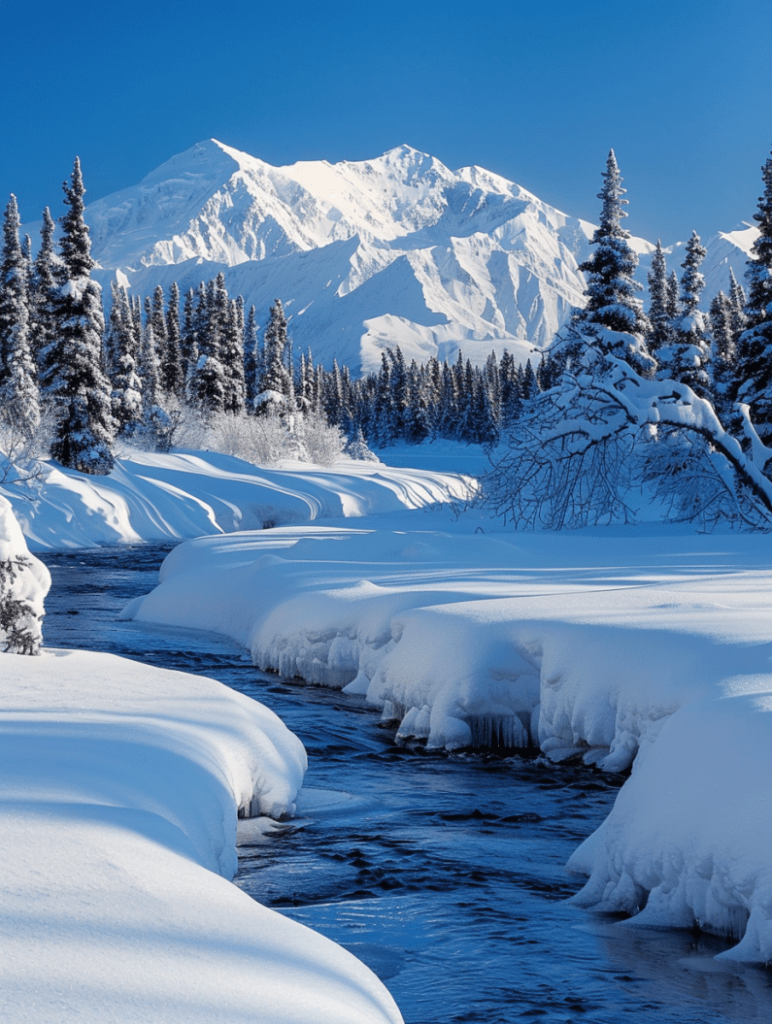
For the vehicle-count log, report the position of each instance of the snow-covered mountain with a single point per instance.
(396, 250)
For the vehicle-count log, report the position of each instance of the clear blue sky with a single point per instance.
(536, 91)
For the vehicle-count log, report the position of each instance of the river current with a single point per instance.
(444, 873)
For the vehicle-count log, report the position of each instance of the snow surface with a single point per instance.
(619, 645)
(154, 497)
(120, 789)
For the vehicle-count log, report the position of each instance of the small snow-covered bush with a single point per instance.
(318, 442)
(24, 582)
(24, 443)
(267, 439)
(357, 448)
(261, 440)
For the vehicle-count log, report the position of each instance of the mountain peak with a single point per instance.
(369, 254)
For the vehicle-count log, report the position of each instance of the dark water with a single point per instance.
(443, 873)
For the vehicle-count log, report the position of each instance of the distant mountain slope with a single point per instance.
(395, 250)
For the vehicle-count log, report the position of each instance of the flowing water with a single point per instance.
(445, 874)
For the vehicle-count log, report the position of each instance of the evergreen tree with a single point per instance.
(251, 359)
(673, 292)
(42, 291)
(232, 348)
(687, 357)
(613, 321)
(19, 397)
(511, 402)
(156, 314)
(124, 347)
(276, 383)
(208, 384)
(81, 391)
(724, 361)
(529, 386)
(149, 369)
(660, 314)
(414, 416)
(754, 346)
(172, 376)
(448, 411)
(188, 340)
(737, 300)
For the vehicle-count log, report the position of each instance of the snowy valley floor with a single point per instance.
(647, 644)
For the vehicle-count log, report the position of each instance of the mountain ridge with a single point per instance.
(398, 249)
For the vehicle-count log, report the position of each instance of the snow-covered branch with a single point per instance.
(588, 442)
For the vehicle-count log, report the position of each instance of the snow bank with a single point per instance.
(600, 644)
(155, 497)
(581, 644)
(23, 579)
(121, 785)
(689, 841)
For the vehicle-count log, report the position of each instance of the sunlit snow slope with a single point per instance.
(367, 254)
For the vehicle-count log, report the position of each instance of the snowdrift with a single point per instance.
(121, 787)
(689, 839)
(595, 644)
(153, 497)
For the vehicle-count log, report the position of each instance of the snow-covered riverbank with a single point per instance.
(120, 790)
(651, 644)
(584, 644)
(121, 785)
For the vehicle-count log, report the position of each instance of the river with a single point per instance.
(444, 873)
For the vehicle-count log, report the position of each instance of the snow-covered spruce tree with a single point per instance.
(166, 325)
(251, 360)
(127, 384)
(529, 386)
(567, 462)
(613, 320)
(207, 383)
(687, 357)
(276, 385)
(511, 402)
(188, 341)
(724, 357)
(19, 397)
(72, 370)
(754, 346)
(737, 299)
(232, 349)
(673, 293)
(660, 331)
(42, 289)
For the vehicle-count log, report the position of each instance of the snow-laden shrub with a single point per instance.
(318, 442)
(267, 439)
(24, 582)
(357, 448)
(23, 444)
(261, 440)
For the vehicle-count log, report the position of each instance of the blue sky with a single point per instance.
(536, 91)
